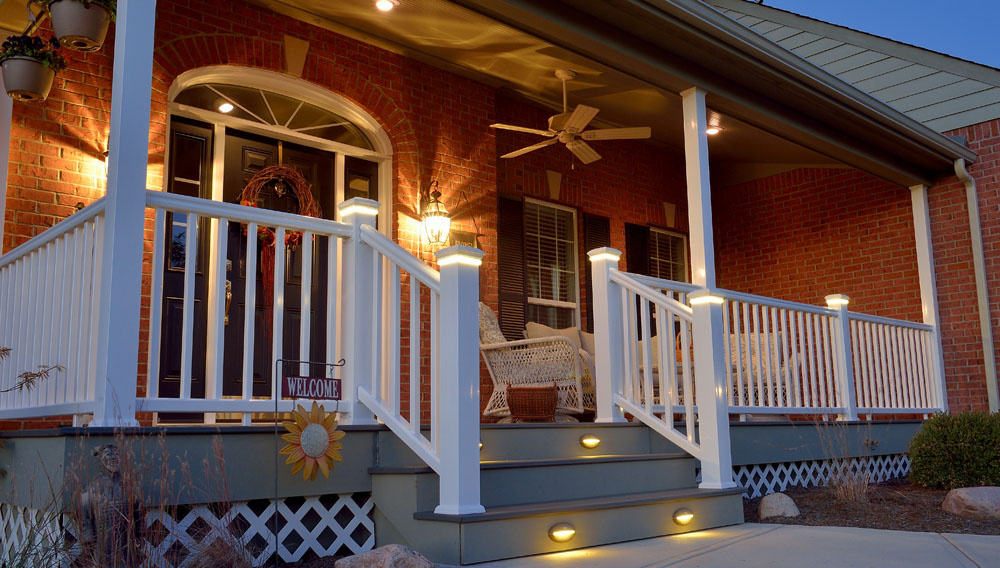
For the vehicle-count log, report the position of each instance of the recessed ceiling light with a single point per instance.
(386, 5)
(713, 130)
(226, 107)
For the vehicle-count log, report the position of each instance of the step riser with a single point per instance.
(546, 441)
(514, 486)
(511, 538)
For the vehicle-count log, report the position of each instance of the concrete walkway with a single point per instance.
(760, 545)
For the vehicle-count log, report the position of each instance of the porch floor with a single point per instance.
(778, 546)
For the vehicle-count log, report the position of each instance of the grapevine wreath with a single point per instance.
(285, 182)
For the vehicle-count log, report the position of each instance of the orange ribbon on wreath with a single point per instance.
(295, 185)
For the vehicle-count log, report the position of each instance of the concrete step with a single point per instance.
(515, 482)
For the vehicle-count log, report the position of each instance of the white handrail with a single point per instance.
(54, 232)
(244, 214)
(891, 321)
(401, 258)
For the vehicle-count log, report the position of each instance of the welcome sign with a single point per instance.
(312, 388)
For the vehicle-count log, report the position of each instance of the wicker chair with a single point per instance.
(529, 362)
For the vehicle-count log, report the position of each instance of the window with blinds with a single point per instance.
(668, 255)
(550, 264)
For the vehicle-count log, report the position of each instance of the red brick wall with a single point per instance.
(803, 234)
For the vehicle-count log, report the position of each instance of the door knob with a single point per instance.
(229, 299)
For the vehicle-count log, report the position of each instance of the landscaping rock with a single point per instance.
(777, 505)
(389, 556)
(973, 502)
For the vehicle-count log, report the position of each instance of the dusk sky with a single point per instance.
(969, 29)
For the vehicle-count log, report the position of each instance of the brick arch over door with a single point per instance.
(174, 58)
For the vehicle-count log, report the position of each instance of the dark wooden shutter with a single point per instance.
(637, 248)
(596, 234)
(510, 245)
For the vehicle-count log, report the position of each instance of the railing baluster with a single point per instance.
(647, 357)
(415, 348)
(746, 358)
(35, 333)
(689, 394)
(395, 321)
(435, 373)
(156, 304)
(796, 347)
(766, 365)
(726, 348)
(332, 296)
(305, 303)
(786, 375)
(827, 372)
(249, 314)
(60, 329)
(216, 330)
(278, 309)
(187, 333)
(93, 307)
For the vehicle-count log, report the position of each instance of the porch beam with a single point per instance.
(699, 188)
(121, 264)
(928, 286)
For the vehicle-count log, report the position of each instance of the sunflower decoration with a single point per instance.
(313, 441)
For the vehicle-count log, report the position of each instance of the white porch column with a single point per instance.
(699, 188)
(928, 286)
(458, 380)
(6, 108)
(121, 256)
(844, 356)
(358, 297)
(709, 349)
(607, 333)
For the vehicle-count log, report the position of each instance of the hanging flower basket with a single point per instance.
(29, 65)
(82, 25)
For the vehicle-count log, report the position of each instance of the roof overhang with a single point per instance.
(677, 44)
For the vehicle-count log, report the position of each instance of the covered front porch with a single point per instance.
(143, 279)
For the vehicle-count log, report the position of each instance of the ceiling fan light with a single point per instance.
(713, 130)
(226, 107)
(386, 5)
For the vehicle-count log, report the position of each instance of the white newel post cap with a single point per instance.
(459, 254)
(605, 253)
(359, 206)
(836, 301)
(704, 296)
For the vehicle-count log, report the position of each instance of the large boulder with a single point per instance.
(777, 505)
(973, 502)
(388, 556)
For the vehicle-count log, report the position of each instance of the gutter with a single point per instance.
(979, 267)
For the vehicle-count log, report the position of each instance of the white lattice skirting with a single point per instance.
(762, 479)
(324, 525)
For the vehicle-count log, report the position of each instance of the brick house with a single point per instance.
(833, 171)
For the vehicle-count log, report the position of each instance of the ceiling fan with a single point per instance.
(568, 128)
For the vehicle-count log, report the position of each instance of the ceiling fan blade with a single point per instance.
(616, 133)
(531, 148)
(581, 117)
(523, 129)
(583, 151)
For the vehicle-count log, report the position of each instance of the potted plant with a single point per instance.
(81, 25)
(29, 65)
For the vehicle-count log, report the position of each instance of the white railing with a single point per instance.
(411, 294)
(786, 357)
(894, 366)
(187, 213)
(657, 377)
(48, 316)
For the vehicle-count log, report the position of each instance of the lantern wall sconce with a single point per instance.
(434, 216)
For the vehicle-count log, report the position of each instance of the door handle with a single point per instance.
(229, 299)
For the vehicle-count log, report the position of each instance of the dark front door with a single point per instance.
(245, 156)
(189, 173)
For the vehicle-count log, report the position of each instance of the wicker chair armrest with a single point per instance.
(537, 342)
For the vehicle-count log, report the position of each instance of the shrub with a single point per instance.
(962, 450)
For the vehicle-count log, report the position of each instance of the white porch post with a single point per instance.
(607, 333)
(709, 356)
(844, 356)
(458, 380)
(6, 108)
(121, 257)
(358, 297)
(928, 287)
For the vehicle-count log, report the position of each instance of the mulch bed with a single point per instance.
(894, 505)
